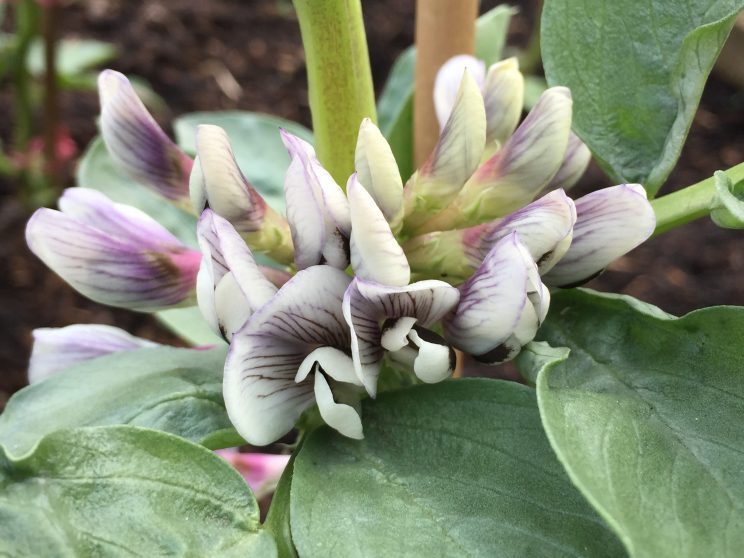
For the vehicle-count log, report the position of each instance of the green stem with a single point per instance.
(688, 204)
(339, 79)
(26, 16)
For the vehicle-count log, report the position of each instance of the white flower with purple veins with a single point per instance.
(113, 253)
(137, 144)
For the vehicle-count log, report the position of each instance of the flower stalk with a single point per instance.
(339, 79)
(690, 203)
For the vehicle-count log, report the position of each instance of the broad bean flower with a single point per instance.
(458, 259)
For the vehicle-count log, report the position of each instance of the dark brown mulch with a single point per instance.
(225, 54)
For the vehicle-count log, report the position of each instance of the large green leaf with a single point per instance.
(636, 71)
(174, 390)
(256, 142)
(97, 170)
(454, 469)
(124, 491)
(646, 415)
(189, 325)
(395, 106)
(277, 520)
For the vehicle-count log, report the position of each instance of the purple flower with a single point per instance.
(137, 144)
(261, 471)
(112, 253)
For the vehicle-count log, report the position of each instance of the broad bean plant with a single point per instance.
(332, 297)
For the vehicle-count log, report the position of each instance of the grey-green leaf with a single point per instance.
(174, 390)
(74, 56)
(97, 170)
(123, 491)
(636, 72)
(728, 206)
(395, 106)
(646, 415)
(454, 469)
(256, 142)
(189, 325)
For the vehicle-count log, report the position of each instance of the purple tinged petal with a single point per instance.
(447, 83)
(453, 160)
(262, 398)
(136, 142)
(56, 349)
(610, 223)
(375, 253)
(367, 304)
(230, 286)
(518, 171)
(503, 95)
(500, 305)
(574, 164)
(317, 209)
(101, 252)
(378, 172)
(261, 471)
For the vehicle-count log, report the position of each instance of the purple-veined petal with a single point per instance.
(261, 471)
(544, 227)
(610, 222)
(453, 160)
(136, 142)
(262, 397)
(368, 304)
(230, 286)
(58, 348)
(497, 313)
(118, 270)
(447, 83)
(317, 209)
(574, 164)
(378, 172)
(375, 254)
(339, 416)
(217, 182)
(118, 220)
(503, 96)
(518, 171)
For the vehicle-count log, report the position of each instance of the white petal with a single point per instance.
(136, 142)
(378, 172)
(261, 395)
(228, 192)
(375, 254)
(493, 301)
(453, 160)
(367, 305)
(58, 348)
(545, 228)
(113, 270)
(339, 416)
(574, 164)
(317, 209)
(435, 361)
(503, 95)
(395, 337)
(333, 362)
(447, 83)
(610, 223)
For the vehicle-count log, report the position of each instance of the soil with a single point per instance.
(232, 54)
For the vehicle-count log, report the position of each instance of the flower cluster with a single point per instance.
(459, 258)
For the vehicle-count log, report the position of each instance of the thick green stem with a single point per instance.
(688, 204)
(339, 79)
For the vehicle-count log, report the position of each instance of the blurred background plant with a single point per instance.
(233, 55)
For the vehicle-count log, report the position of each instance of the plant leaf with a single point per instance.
(189, 325)
(395, 106)
(646, 415)
(457, 468)
(174, 390)
(74, 56)
(277, 521)
(124, 491)
(255, 139)
(636, 73)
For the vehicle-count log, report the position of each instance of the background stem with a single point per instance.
(444, 28)
(51, 94)
(339, 79)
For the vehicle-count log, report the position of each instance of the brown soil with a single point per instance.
(186, 48)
